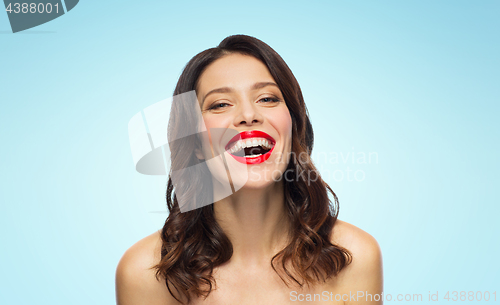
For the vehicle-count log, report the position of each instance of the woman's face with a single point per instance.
(251, 125)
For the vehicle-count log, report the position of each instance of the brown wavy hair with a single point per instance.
(193, 243)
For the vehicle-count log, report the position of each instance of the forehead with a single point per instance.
(234, 70)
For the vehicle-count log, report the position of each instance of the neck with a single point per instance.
(255, 222)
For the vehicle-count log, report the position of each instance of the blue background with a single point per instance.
(416, 82)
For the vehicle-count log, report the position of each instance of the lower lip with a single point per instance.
(256, 160)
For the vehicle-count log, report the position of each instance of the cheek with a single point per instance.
(216, 121)
(282, 121)
(212, 124)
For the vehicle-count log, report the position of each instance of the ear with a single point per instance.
(199, 154)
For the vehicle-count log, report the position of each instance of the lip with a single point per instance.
(251, 134)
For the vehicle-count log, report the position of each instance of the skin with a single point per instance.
(260, 204)
(253, 218)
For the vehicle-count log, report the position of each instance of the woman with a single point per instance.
(275, 239)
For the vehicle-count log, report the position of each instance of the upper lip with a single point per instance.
(250, 134)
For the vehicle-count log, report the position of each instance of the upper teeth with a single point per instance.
(254, 142)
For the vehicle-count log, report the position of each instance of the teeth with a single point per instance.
(241, 144)
(237, 147)
(253, 156)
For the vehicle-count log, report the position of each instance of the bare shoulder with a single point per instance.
(364, 274)
(355, 240)
(136, 283)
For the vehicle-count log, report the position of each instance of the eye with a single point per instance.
(218, 106)
(269, 100)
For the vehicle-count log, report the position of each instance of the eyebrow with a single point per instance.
(229, 90)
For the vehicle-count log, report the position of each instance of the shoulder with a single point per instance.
(357, 241)
(364, 274)
(136, 282)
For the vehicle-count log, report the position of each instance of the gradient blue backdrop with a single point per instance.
(415, 82)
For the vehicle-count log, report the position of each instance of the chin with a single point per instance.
(259, 185)
(260, 179)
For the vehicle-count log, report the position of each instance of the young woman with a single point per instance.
(275, 239)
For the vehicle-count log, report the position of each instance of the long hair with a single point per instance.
(193, 242)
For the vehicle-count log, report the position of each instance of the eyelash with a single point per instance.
(216, 106)
(272, 100)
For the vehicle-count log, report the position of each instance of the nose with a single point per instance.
(248, 114)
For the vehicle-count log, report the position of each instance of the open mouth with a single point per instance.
(251, 147)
